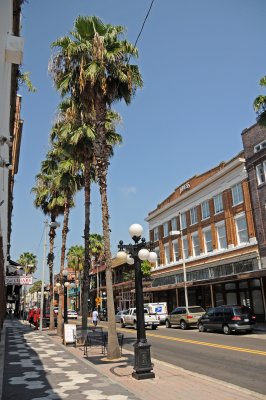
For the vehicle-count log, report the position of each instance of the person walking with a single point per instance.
(95, 316)
(36, 318)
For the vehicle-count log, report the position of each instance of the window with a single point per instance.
(242, 231)
(237, 194)
(260, 146)
(221, 236)
(208, 241)
(185, 247)
(156, 234)
(183, 221)
(158, 262)
(195, 244)
(175, 251)
(193, 215)
(218, 203)
(174, 224)
(165, 229)
(261, 173)
(205, 209)
(166, 255)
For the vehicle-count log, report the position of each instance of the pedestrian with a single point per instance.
(30, 316)
(95, 316)
(36, 318)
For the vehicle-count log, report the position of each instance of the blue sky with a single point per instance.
(201, 62)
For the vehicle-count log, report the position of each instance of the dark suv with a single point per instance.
(228, 319)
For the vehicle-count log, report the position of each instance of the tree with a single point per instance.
(93, 66)
(28, 261)
(49, 199)
(260, 104)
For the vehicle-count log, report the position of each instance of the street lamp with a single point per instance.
(134, 254)
(66, 285)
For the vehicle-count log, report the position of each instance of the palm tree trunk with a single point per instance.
(51, 275)
(113, 350)
(62, 265)
(102, 152)
(87, 261)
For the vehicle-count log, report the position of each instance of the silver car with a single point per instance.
(119, 314)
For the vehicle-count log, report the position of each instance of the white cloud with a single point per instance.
(126, 191)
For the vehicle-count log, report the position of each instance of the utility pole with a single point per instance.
(43, 270)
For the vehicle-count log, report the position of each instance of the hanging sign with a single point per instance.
(18, 280)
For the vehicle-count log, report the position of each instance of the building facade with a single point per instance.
(11, 49)
(254, 143)
(205, 240)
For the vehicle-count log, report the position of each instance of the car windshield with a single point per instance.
(196, 309)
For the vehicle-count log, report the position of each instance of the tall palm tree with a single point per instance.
(49, 199)
(76, 138)
(92, 64)
(68, 179)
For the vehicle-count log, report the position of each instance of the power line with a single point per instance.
(142, 27)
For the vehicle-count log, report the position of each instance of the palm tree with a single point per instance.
(76, 138)
(260, 104)
(93, 66)
(49, 199)
(75, 261)
(68, 180)
(29, 262)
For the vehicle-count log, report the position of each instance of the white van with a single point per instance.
(159, 308)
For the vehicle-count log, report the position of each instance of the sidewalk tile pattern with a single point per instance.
(38, 369)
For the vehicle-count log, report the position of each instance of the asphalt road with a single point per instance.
(239, 359)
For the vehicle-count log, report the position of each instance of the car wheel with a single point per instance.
(167, 324)
(249, 331)
(226, 330)
(201, 327)
(153, 327)
(122, 324)
(183, 325)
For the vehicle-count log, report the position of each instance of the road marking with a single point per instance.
(208, 344)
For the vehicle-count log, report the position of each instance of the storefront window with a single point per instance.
(255, 283)
(230, 286)
(231, 298)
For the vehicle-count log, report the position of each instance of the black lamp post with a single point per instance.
(66, 284)
(137, 252)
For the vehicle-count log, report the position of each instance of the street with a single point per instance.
(237, 359)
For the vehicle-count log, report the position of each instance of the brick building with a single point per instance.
(205, 240)
(254, 142)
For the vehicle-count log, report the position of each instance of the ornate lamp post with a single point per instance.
(134, 254)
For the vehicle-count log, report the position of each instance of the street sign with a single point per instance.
(18, 280)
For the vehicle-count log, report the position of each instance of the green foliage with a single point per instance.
(36, 287)
(75, 258)
(24, 79)
(259, 104)
(146, 268)
(28, 261)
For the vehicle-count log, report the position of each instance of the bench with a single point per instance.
(96, 337)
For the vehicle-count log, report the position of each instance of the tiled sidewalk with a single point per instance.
(37, 368)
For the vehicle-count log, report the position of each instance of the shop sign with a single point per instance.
(18, 280)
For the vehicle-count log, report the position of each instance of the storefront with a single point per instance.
(234, 283)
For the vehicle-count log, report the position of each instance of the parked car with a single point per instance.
(119, 314)
(72, 314)
(184, 317)
(103, 314)
(228, 319)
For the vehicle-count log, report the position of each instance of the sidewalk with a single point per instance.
(38, 367)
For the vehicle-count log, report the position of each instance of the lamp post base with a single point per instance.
(142, 361)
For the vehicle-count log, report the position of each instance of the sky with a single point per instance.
(201, 62)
